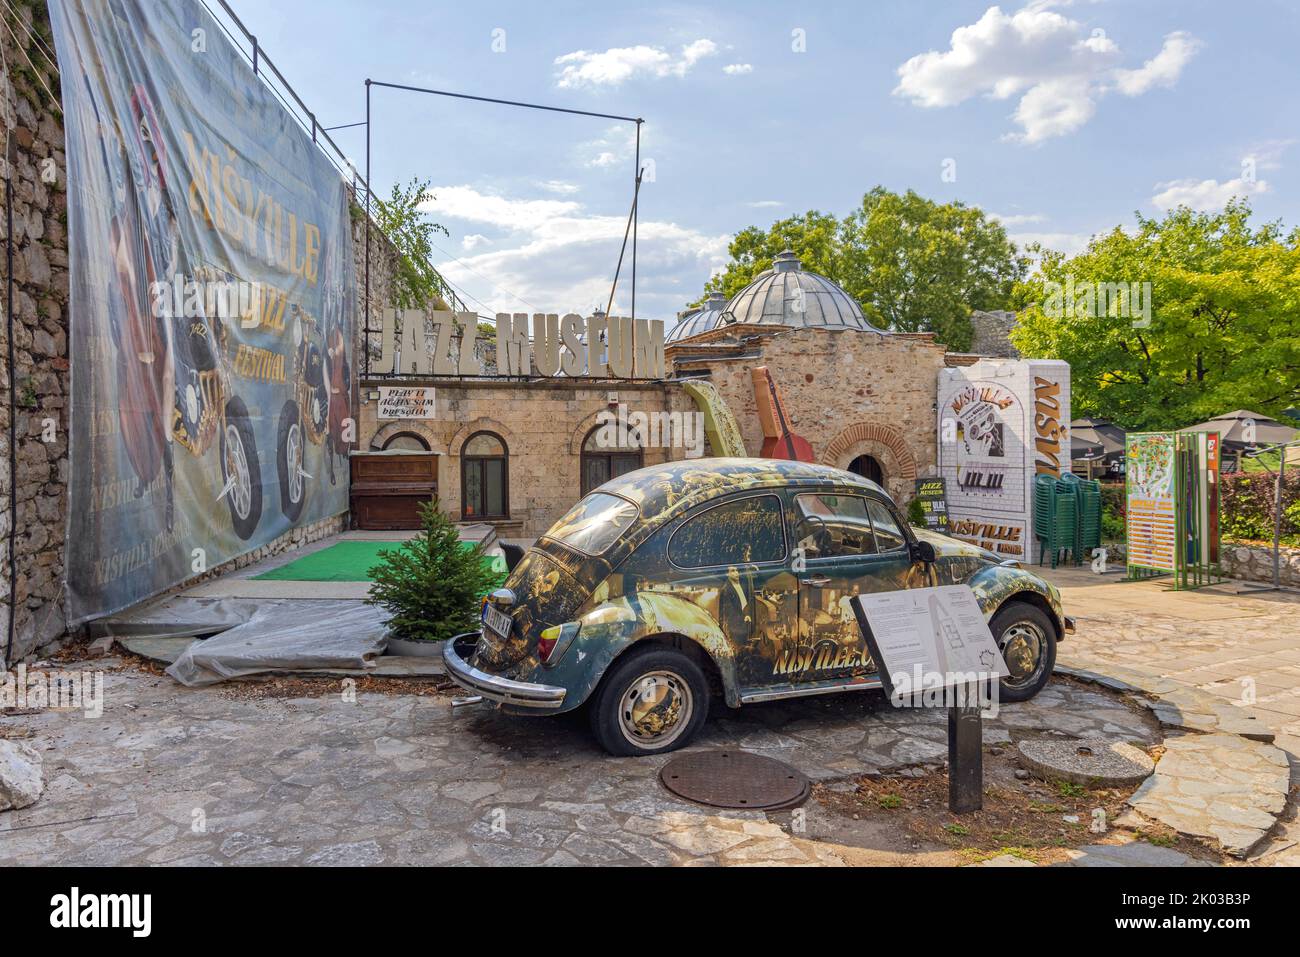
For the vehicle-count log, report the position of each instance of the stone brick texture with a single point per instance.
(848, 393)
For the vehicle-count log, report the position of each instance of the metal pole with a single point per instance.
(965, 759)
(365, 320)
(636, 202)
(1277, 520)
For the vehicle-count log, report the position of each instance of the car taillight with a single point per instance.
(554, 640)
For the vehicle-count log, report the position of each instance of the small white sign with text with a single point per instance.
(401, 403)
(929, 638)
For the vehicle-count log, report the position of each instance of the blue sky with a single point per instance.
(1061, 118)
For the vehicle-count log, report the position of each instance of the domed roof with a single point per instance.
(785, 295)
(700, 319)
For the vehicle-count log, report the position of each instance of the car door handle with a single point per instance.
(816, 580)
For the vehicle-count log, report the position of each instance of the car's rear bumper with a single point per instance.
(516, 694)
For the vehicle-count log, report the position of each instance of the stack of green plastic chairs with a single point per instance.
(1088, 519)
(1054, 517)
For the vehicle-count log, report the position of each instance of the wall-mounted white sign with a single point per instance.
(396, 403)
(1001, 422)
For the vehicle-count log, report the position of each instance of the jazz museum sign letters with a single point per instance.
(597, 346)
(1001, 422)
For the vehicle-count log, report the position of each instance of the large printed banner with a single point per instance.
(212, 304)
(1001, 422)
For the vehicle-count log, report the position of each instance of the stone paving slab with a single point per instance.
(1219, 786)
(210, 776)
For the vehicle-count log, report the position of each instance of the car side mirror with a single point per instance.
(923, 552)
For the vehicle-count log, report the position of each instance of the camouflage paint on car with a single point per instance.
(762, 630)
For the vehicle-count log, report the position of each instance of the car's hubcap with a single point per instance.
(655, 709)
(1022, 647)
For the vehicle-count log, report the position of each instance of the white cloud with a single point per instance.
(474, 240)
(765, 203)
(559, 186)
(467, 203)
(1018, 219)
(738, 69)
(1163, 69)
(562, 259)
(1205, 195)
(616, 65)
(613, 148)
(1057, 67)
(1068, 243)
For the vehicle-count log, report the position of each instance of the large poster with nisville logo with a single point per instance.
(1001, 423)
(212, 301)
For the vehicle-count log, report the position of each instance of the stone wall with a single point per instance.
(543, 423)
(992, 332)
(1254, 563)
(848, 393)
(31, 125)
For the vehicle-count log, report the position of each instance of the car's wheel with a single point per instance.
(1027, 639)
(650, 702)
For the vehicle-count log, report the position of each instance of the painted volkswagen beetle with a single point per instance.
(731, 577)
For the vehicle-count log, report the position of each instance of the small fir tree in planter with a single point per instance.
(432, 584)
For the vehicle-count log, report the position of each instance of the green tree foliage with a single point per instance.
(914, 265)
(1224, 320)
(432, 584)
(417, 283)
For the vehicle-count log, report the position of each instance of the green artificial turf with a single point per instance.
(341, 562)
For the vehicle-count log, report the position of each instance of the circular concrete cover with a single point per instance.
(1098, 762)
(735, 779)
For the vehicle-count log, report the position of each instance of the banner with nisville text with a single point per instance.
(212, 304)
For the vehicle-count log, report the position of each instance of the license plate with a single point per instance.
(496, 621)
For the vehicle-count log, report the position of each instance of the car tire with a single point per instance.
(623, 715)
(1017, 627)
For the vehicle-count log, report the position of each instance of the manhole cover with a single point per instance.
(1091, 761)
(735, 779)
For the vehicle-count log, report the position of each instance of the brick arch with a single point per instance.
(481, 424)
(398, 426)
(884, 443)
(586, 425)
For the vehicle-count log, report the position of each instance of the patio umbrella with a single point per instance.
(1232, 429)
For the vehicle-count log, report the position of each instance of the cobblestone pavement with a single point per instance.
(173, 775)
(218, 776)
(1243, 648)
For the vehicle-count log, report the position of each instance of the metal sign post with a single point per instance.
(933, 643)
(965, 759)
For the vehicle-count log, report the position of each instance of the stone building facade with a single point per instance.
(542, 424)
(851, 394)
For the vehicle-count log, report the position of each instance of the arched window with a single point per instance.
(484, 477)
(869, 468)
(407, 442)
(607, 454)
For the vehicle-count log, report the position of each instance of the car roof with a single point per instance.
(661, 491)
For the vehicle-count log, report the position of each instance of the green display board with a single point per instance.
(1172, 506)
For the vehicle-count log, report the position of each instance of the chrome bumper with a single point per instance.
(517, 694)
(1069, 624)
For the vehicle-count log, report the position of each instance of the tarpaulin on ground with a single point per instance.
(212, 304)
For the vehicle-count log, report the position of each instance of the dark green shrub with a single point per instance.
(432, 584)
(1246, 506)
(916, 513)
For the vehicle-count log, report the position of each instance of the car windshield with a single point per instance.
(595, 523)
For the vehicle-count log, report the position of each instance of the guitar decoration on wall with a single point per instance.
(779, 440)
